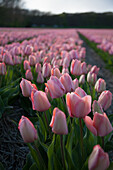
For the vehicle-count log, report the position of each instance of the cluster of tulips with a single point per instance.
(70, 128)
(104, 38)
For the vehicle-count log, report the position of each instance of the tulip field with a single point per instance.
(54, 106)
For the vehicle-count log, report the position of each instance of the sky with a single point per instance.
(70, 6)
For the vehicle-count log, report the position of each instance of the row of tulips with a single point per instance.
(103, 38)
(67, 96)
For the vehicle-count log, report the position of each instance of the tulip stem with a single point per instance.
(102, 141)
(81, 138)
(47, 124)
(62, 151)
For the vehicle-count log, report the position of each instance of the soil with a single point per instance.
(13, 151)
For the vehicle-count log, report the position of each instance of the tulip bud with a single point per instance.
(76, 67)
(65, 70)
(91, 78)
(98, 160)
(46, 70)
(95, 69)
(26, 65)
(96, 107)
(29, 75)
(55, 87)
(27, 130)
(26, 87)
(67, 82)
(84, 68)
(55, 72)
(76, 83)
(105, 99)
(78, 106)
(7, 58)
(100, 125)
(40, 78)
(100, 85)
(82, 79)
(58, 122)
(32, 60)
(38, 67)
(40, 101)
(28, 50)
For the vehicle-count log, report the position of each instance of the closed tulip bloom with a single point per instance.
(82, 79)
(27, 130)
(58, 122)
(46, 70)
(78, 106)
(91, 78)
(32, 60)
(84, 68)
(38, 67)
(55, 87)
(98, 160)
(105, 99)
(95, 69)
(65, 70)
(26, 65)
(28, 50)
(100, 125)
(67, 82)
(7, 58)
(40, 101)
(29, 75)
(55, 72)
(76, 67)
(80, 92)
(100, 85)
(26, 87)
(40, 78)
(76, 83)
(96, 107)
(2, 69)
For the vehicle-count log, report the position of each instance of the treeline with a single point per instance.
(16, 17)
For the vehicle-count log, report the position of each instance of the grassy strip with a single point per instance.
(106, 57)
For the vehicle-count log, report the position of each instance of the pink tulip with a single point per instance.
(96, 107)
(26, 65)
(76, 67)
(2, 69)
(65, 70)
(95, 69)
(58, 122)
(55, 87)
(91, 78)
(78, 105)
(26, 87)
(28, 50)
(27, 130)
(38, 67)
(7, 58)
(67, 82)
(100, 125)
(32, 60)
(82, 79)
(80, 92)
(84, 68)
(29, 75)
(55, 72)
(100, 85)
(98, 160)
(40, 101)
(46, 70)
(76, 83)
(105, 99)
(40, 78)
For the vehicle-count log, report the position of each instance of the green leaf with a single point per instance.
(50, 153)
(69, 160)
(70, 141)
(34, 155)
(57, 163)
(29, 162)
(33, 167)
(109, 146)
(85, 166)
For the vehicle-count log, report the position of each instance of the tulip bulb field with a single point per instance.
(56, 99)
